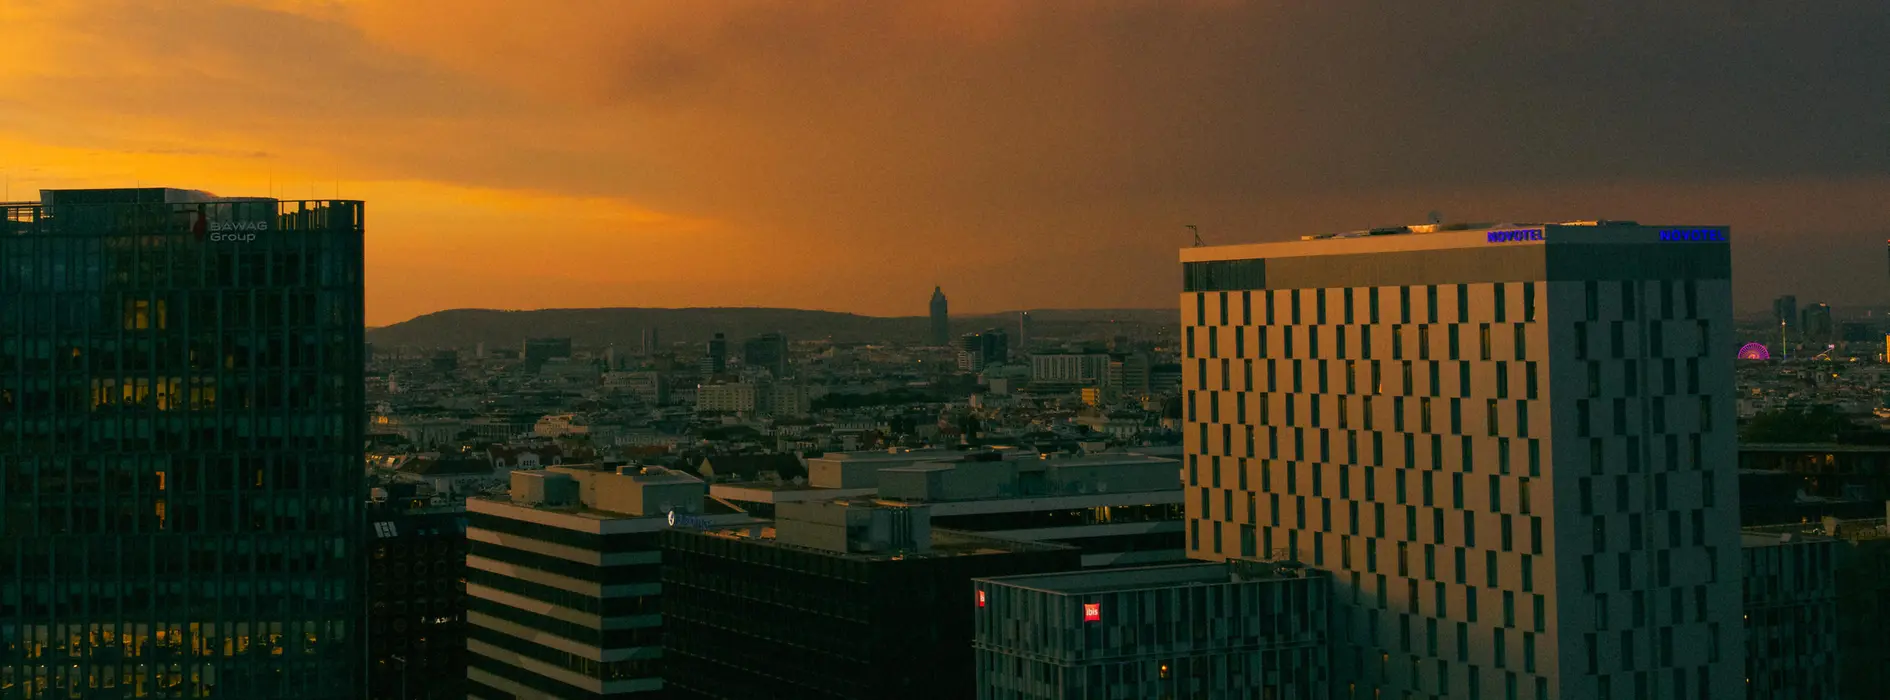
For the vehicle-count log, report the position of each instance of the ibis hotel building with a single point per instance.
(1511, 446)
(180, 446)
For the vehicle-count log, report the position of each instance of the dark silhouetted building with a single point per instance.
(941, 319)
(1817, 327)
(1026, 330)
(416, 559)
(715, 361)
(1233, 630)
(837, 600)
(444, 361)
(984, 348)
(537, 351)
(1516, 440)
(652, 343)
(181, 432)
(1785, 311)
(767, 351)
(1791, 616)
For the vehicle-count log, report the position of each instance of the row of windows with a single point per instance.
(1217, 276)
(602, 639)
(1630, 379)
(607, 607)
(1316, 470)
(1323, 376)
(548, 687)
(607, 544)
(1625, 567)
(1486, 349)
(1585, 487)
(1342, 406)
(1656, 415)
(607, 575)
(602, 670)
(1653, 335)
(1299, 452)
(1631, 302)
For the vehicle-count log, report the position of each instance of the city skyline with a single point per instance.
(596, 140)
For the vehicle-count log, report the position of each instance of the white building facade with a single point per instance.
(1513, 447)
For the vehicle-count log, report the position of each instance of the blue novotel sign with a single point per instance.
(1693, 235)
(1515, 235)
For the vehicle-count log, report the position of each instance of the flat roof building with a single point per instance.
(181, 430)
(1120, 509)
(849, 599)
(1790, 583)
(1513, 446)
(563, 580)
(1232, 630)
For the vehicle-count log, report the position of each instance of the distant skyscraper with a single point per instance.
(768, 351)
(1514, 450)
(716, 361)
(1024, 330)
(1785, 311)
(941, 319)
(651, 344)
(1817, 324)
(984, 348)
(536, 351)
(181, 461)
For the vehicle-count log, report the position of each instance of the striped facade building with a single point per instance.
(562, 582)
(1512, 447)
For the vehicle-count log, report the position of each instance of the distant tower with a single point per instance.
(1024, 324)
(716, 361)
(649, 341)
(941, 319)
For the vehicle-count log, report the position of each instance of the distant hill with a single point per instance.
(465, 328)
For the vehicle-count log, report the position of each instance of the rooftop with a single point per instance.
(1141, 578)
(1448, 236)
(945, 543)
(1809, 447)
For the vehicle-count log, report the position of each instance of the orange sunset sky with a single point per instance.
(851, 155)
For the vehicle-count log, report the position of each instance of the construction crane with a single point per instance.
(1196, 230)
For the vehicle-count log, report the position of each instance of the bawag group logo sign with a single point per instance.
(204, 228)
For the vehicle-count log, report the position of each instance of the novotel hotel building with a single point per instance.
(1512, 447)
(180, 446)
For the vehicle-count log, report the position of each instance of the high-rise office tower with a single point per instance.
(1817, 325)
(1513, 448)
(716, 361)
(650, 341)
(1785, 310)
(769, 351)
(1025, 326)
(180, 443)
(941, 319)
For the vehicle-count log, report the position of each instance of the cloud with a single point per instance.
(1024, 154)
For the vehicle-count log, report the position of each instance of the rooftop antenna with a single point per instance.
(1436, 217)
(1197, 234)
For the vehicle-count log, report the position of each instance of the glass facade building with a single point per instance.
(180, 446)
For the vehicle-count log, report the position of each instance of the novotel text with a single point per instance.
(1516, 235)
(1693, 234)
